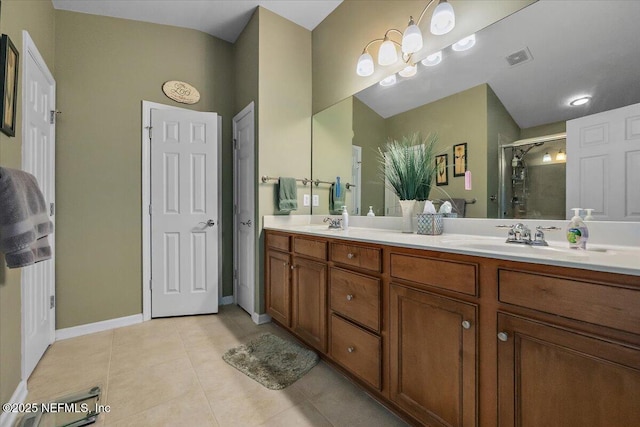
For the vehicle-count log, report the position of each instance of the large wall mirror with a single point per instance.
(507, 98)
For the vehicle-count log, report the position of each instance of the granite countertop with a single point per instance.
(607, 258)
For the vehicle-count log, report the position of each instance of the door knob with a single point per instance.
(209, 223)
(248, 223)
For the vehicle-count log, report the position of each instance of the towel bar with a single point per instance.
(265, 178)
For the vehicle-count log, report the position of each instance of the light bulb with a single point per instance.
(561, 156)
(433, 59)
(580, 101)
(387, 54)
(365, 65)
(389, 81)
(409, 71)
(412, 38)
(443, 19)
(464, 44)
(547, 157)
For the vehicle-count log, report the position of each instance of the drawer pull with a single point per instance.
(351, 349)
(349, 297)
(502, 336)
(350, 255)
(466, 324)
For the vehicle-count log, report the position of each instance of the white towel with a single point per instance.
(24, 221)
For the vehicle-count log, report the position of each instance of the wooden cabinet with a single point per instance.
(552, 376)
(309, 301)
(433, 357)
(418, 329)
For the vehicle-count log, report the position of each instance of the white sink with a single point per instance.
(497, 245)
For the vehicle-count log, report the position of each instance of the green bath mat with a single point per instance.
(273, 362)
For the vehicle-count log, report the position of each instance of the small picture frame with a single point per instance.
(442, 170)
(8, 85)
(459, 159)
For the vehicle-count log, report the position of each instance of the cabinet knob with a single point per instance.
(351, 349)
(502, 336)
(350, 255)
(349, 297)
(293, 266)
(466, 324)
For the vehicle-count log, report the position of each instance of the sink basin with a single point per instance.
(516, 248)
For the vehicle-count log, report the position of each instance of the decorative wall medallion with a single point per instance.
(181, 92)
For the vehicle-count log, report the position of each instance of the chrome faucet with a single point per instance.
(334, 223)
(520, 233)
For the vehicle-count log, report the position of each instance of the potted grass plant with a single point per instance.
(408, 167)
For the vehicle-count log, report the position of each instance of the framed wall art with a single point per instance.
(442, 171)
(459, 159)
(8, 85)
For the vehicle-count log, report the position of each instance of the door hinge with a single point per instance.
(235, 143)
(52, 117)
(52, 301)
(150, 210)
(150, 128)
(235, 209)
(235, 274)
(52, 209)
(150, 284)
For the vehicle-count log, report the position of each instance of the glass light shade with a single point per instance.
(561, 156)
(433, 59)
(409, 71)
(580, 101)
(546, 158)
(387, 54)
(464, 44)
(365, 65)
(412, 39)
(389, 81)
(443, 19)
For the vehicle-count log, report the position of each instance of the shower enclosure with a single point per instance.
(532, 178)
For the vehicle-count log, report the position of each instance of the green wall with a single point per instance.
(37, 17)
(284, 111)
(107, 66)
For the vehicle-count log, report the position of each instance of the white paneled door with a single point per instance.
(184, 213)
(38, 158)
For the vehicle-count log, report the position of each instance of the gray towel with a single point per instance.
(24, 220)
(287, 194)
(336, 202)
(459, 206)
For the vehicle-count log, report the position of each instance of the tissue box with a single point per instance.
(430, 224)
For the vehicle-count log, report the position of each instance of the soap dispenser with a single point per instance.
(589, 217)
(577, 232)
(371, 213)
(345, 218)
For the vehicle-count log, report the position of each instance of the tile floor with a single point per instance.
(170, 372)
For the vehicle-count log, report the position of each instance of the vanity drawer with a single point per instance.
(355, 296)
(311, 248)
(357, 350)
(452, 275)
(598, 303)
(356, 256)
(278, 241)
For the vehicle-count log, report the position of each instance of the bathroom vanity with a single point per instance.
(450, 335)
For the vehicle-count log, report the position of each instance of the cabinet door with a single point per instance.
(309, 295)
(549, 376)
(433, 357)
(278, 287)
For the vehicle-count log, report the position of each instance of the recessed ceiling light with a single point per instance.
(580, 101)
(389, 81)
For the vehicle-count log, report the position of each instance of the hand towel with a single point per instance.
(24, 220)
(459, 207)
(337, 195)
(287, 194)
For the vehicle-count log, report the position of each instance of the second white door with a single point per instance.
(184, 213)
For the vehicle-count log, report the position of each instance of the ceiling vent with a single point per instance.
(519, 57)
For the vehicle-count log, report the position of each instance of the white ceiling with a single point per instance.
(224, 19)
(578, 47)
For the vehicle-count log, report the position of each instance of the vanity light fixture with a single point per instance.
(547, 157)
(433, 59)
(561, 156)
(580, 101)
(409, 71)
(389, 81)
(464, 44)
(442, 21)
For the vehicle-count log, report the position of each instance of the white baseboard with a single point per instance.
(259, 319)
(227, 300)
(7, 419)
(90, 328)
